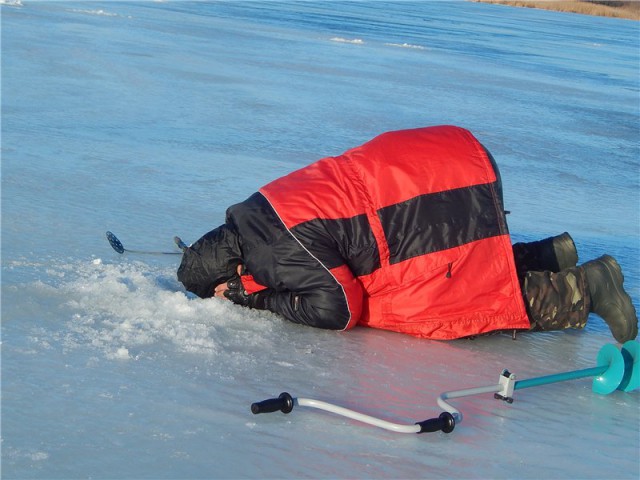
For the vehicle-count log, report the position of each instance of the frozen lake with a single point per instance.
(150, 118)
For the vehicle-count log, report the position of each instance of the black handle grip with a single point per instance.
(284, 403)
(444, 422)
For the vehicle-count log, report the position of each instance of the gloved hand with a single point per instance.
(238, 295)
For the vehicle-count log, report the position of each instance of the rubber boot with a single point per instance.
(609, 299)
(552, 254)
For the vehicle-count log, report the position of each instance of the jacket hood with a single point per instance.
(210, 261)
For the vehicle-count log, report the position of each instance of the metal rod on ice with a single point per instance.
(361, 417)
(457, 415)
(561, 377)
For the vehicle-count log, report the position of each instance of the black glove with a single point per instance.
(238, 295)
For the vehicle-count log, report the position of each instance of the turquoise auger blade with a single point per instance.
(631, 378)
(610, 379)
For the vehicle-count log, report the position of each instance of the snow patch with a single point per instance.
(122, 353)
(98, 12)
(125, 311)
(354, 41)
(406, 45)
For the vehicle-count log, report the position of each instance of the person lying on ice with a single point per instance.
(406, 233)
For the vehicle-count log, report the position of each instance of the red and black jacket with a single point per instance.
(406, 232)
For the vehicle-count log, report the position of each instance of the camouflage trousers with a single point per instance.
(556, 300)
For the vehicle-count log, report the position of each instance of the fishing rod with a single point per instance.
(116, 244)
(616, 369)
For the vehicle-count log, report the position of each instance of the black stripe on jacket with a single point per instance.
(439, 221)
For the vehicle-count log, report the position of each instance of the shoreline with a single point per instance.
(616, 9)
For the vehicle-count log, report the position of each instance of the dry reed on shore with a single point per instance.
(619, 9)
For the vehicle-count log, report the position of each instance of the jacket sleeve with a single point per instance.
(307, 285)
(336, 305)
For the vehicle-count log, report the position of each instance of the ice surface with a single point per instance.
(150, 118)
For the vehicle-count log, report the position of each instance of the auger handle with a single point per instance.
(283, 403)
(444, 422)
